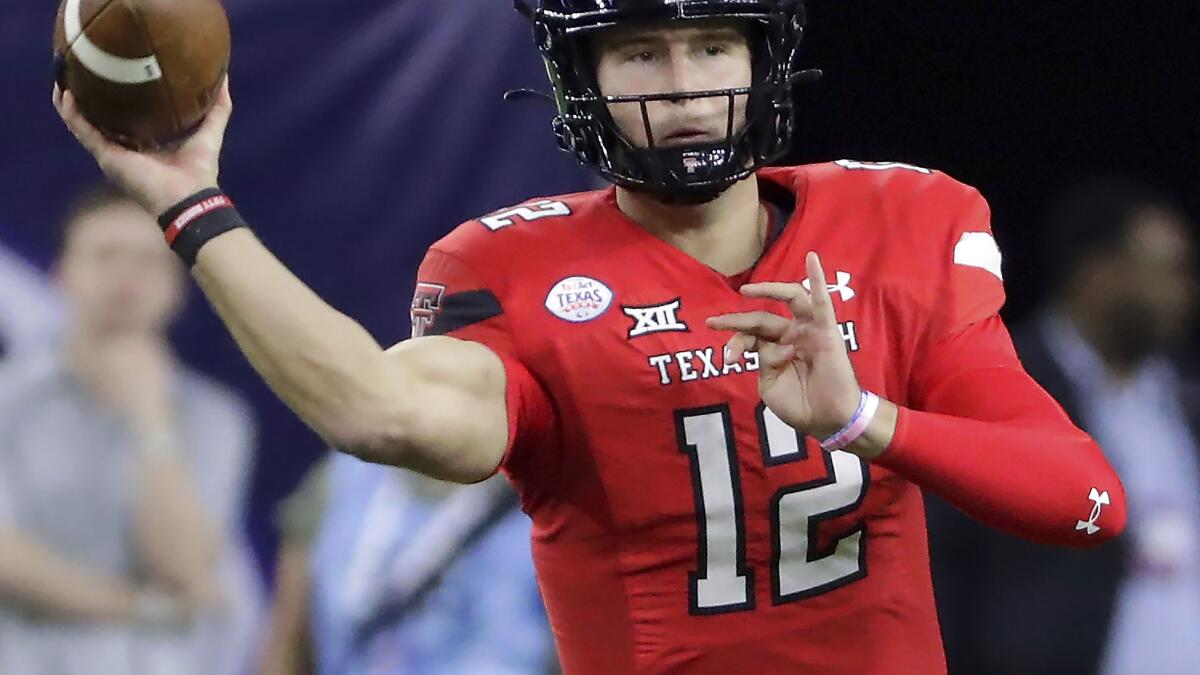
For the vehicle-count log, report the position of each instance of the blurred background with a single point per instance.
(366, 129)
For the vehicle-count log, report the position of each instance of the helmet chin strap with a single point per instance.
(667, 167)
(691, 195)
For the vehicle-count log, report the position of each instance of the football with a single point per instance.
(144, 72)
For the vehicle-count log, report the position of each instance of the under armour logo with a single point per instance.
(842, 287)
(654, 318)
(1101, 500)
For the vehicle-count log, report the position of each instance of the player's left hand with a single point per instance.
(805, 375)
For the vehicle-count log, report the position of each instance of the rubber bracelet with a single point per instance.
(195, 221)
(868, 405)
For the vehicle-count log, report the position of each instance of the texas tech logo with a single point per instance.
(426, 304)
(654, 319)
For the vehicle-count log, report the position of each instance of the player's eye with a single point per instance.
(641, 56)
(715, 49)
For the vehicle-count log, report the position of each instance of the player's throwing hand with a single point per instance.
(156, 180)
(805, 376)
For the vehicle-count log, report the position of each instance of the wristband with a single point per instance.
(868, 405)
(195, 221)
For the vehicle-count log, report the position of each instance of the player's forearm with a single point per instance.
(1032, 476)
(34, 578)
(324, 365)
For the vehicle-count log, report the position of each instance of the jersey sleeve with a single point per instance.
(988, 439)
(451, 299)
(978, 431)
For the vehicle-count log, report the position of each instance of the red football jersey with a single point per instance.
(679, 525)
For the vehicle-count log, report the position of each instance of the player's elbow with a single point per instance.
(401, 439)
(1107, 508)
(1111, 521)
(1118, 518)
(373, 419)
(384, 437)
(439, 409)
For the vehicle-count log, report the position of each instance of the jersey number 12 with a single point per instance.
(723, 582)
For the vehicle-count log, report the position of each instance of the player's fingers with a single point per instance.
(760, 324)
(224, 103)
(56, 98)
(739, 344)
(87, 135)
(771, 356)
(795, 295)
(822, 304)
(794, 333)
(809, 338)
(213, 128)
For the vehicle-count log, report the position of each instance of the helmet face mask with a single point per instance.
(675, 174)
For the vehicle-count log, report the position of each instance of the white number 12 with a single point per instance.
(722, 581)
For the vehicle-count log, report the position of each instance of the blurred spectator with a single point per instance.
(1124, 288)
(407, 575)
(30, 310)
(122, 475)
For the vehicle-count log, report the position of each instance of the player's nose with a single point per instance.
(686, 76)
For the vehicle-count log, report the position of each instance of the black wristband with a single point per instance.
(195, 221)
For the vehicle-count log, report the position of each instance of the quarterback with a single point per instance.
(719, 388)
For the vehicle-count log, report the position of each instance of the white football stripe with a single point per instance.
(113, 68)
(978, 249)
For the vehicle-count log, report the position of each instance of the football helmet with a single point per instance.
(678, 174)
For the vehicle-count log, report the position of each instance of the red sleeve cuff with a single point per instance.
(530, 415)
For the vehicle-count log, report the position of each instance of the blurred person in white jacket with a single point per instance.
(122, 477)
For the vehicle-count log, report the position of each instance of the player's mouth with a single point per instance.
(689, 136)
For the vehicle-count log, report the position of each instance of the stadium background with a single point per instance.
(337, 153)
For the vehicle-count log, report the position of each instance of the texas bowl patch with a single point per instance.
(579, 299)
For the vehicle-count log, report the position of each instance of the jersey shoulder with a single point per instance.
(913, 193)
(556, 222)
(924, 231)
(915, 213)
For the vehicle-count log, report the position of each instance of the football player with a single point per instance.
(719, 388)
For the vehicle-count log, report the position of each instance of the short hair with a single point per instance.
(1093, 218)
(97, 197)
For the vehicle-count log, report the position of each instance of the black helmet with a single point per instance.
(678, 174)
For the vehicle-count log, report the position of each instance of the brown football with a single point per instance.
(144, 72)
